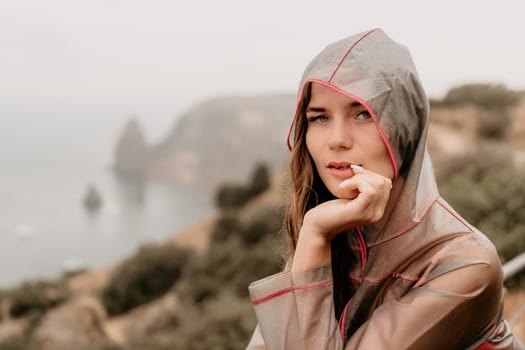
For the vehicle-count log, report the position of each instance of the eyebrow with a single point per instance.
(322, 109)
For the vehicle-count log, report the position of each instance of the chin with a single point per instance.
(338, 193)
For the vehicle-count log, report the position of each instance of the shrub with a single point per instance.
(225, 322)
(14, 342)
(485, 187)
(198, 286)
(215, 311)
(238, 254)
(493, 123)
(144, 277)
(247, 254)
(38, 296)
(494, 100)
(266, 222)
(226, 226)
(260, 180)
(232, 196)
(258, 261)
(488, 96)
(215, 273)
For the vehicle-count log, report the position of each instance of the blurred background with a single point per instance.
(143, 158)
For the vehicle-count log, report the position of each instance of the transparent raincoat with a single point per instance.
(429, 280)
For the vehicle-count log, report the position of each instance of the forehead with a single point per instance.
(325, 97)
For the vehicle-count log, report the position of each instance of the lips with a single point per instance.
(341, 170)
(339, 165)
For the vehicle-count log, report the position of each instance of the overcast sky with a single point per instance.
(156, 58)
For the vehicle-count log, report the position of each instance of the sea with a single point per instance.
(47, 164)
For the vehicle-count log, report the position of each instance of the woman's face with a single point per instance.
(340, 132)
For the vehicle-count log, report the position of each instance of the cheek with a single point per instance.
(310, 145)
(382, 161)
(313, 148)
(387, 130)
(388, 168)
(376, 152)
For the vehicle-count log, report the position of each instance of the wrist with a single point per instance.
(312, 250)
(313, 238)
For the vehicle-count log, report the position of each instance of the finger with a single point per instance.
(346, 183)
(379, 179)
(364, 175)
(360, 182)
(349, 189)
(357, 168)
(360, 170)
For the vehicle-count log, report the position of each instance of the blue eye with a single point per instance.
(363, 115)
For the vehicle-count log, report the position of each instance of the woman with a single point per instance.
(378, 260)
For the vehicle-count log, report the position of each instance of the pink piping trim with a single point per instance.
(485, 346)
(348, 52)
(291, 289)
(343, 320)
(369, 279)
(407, 227)
(454, 214)
(405, 277)
(374, 117)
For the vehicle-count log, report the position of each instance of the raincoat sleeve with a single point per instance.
(295, 311)
(456, 309)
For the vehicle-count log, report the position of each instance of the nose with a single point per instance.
(340, 137)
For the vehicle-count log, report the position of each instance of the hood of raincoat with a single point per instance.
(373, 69)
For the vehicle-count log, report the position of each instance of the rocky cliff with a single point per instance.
(222, 139)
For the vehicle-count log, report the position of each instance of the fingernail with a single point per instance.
(356, 167)
(344, 183)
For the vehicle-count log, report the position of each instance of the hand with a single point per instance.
(367, 196)
(365, 201)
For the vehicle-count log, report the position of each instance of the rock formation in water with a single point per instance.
(131, 153)
(92, 199)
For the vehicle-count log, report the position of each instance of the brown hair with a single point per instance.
(301, 176)
(307, 191)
